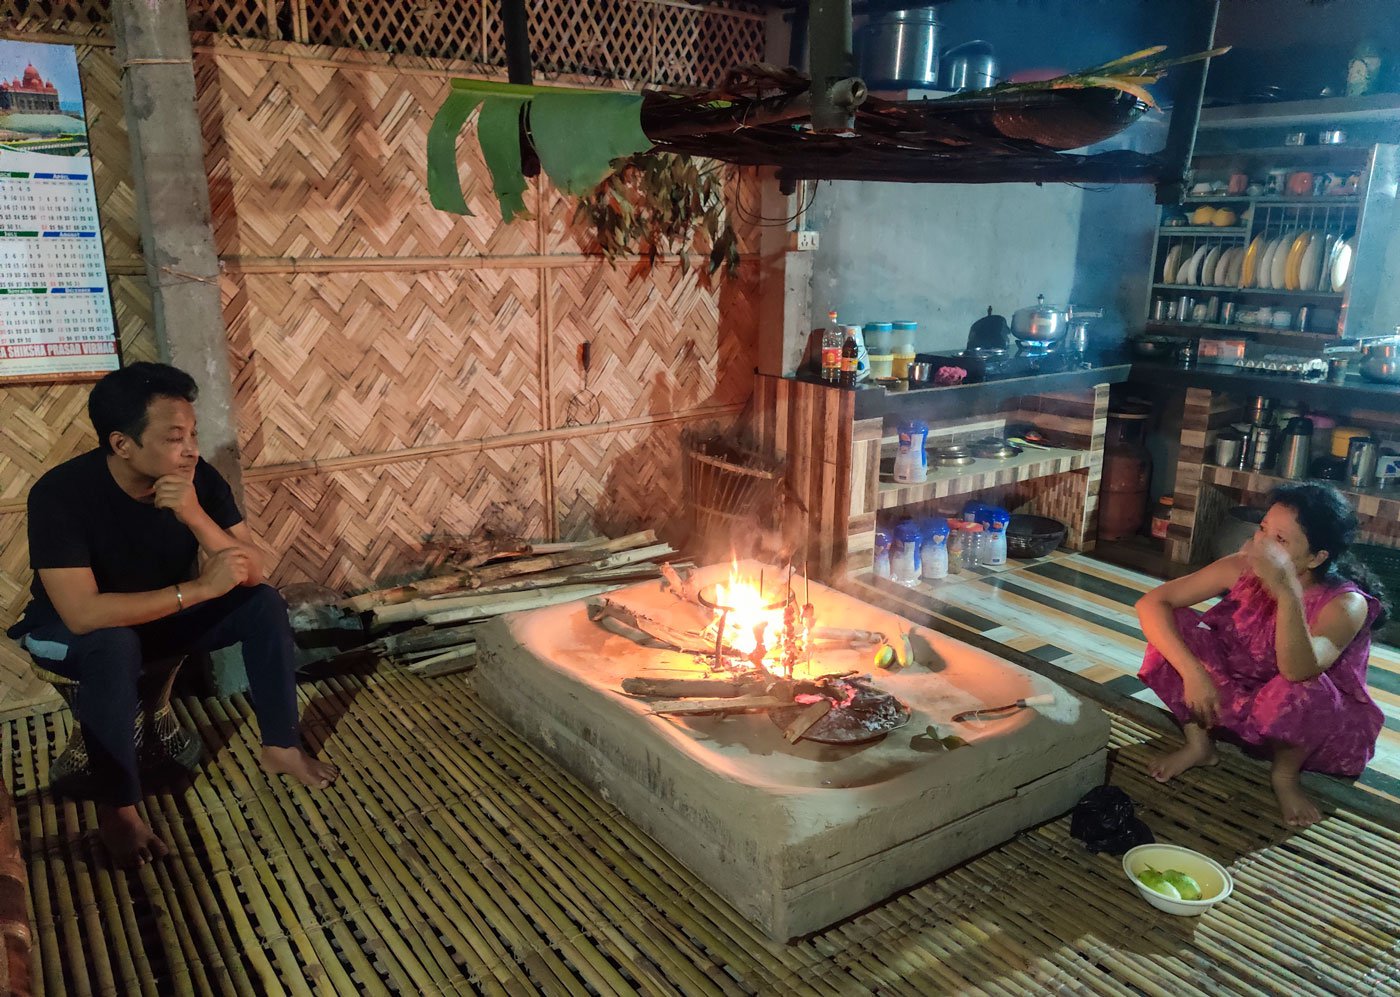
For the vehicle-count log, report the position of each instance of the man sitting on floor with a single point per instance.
(113, 539)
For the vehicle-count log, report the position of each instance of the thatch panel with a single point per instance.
(658, 345)
(305, 160)
(351, 528)
(337, 364)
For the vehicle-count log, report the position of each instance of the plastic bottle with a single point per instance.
(935, 550)
(850, 361)
(831, 350)
(994, 539)
(903, 347)
(974, 545)
(906, 562)
(882, 554)
(956, 536)
(911, 463)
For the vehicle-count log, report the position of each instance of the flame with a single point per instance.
(749, 613)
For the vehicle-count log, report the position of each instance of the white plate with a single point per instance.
(1341, 264)
(1280, 264)
(1191, 271)
(1236, 270)
(1173, 263)
(1310, 271)
(1208, 266)
(1266, 263)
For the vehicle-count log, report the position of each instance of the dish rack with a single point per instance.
(1291, 269)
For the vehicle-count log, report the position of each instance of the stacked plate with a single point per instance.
(1204, 266)
(1307, 260)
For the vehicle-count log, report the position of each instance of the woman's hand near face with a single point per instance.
(1270, 563)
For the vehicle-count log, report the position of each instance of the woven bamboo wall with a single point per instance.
(399, 370)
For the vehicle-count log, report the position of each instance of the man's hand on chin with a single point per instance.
(176, 493)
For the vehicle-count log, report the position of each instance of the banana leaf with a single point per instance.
(577, 134)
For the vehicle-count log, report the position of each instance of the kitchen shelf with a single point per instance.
(1264, 335)
(1249, 290)
(1292, 155)
(1319, 111)
(1341, 200)
(944, 482)
(1234, 231)
(1375, 502)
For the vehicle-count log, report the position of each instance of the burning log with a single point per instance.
(808, 718)
(671, 637)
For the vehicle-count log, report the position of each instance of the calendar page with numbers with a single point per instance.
(56, 317)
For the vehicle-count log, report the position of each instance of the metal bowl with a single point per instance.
(995, 448)
(955, 456)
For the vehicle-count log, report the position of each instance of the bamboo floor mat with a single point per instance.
(450, 858)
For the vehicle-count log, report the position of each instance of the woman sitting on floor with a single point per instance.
(1280, 661)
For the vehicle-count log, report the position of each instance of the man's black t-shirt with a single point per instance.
(79, 517)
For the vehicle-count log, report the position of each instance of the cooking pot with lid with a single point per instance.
(1380, 360)
(899, 49)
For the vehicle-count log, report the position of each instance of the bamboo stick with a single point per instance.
(455, 660)
(806, 720)
(679, 688)
(604, 552)
(478, 607)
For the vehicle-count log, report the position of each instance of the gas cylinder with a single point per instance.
(1127, 467)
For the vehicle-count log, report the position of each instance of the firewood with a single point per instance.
(519, 602)
(672, 637)
(806, 720)
(681, 688)
(564, 576)
(425, 639)
(682, 707)
(456, 660)
(591, 551)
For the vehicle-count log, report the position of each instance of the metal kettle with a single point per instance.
(990, 335)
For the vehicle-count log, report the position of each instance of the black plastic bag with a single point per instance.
(1104, 820)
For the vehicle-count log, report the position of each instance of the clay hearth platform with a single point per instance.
(800, 836)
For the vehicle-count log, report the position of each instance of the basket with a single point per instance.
(732, 488)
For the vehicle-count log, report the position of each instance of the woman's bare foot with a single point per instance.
(127, 838)
(1198, 750)
(299, 765)
(1294, 805)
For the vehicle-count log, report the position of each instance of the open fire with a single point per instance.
(758, 650)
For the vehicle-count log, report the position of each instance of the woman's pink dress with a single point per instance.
(1332, 715)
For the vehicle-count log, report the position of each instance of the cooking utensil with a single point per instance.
(1331, 136)
(1029, 537)
(1038, 326)
(1044, 699)
(1155, 349)
(1362, 454)
(899, 49)
(990, 335)
(969, 66)
(995, 448)
(953, 456)
(1296, 138)
(1229, 446)
(920, 374)
(1380, 361)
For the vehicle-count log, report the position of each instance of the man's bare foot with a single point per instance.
(299, 765)
(1195, 752)
(127, 838)
(1297, 810)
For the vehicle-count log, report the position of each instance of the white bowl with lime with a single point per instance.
(1177, 880)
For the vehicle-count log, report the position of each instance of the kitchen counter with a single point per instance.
(1233, 380)
(962, 399)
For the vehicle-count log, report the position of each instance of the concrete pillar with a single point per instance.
(785, 287)
(172, 203)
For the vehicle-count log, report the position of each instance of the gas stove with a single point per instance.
(981, 367)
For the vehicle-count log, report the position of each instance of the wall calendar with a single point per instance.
(56, 319)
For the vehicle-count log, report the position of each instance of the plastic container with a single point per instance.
(879, 338)
(956, 536)
(904, 333)
(994, 539)
(1162, 516)
(935, 550)
(911, 463)
(974, 545)
(906, 556)
(882, 553)
(1213, 878)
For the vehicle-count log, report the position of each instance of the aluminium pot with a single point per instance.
(1380, 361)
(899, 49)
(1039, 326)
